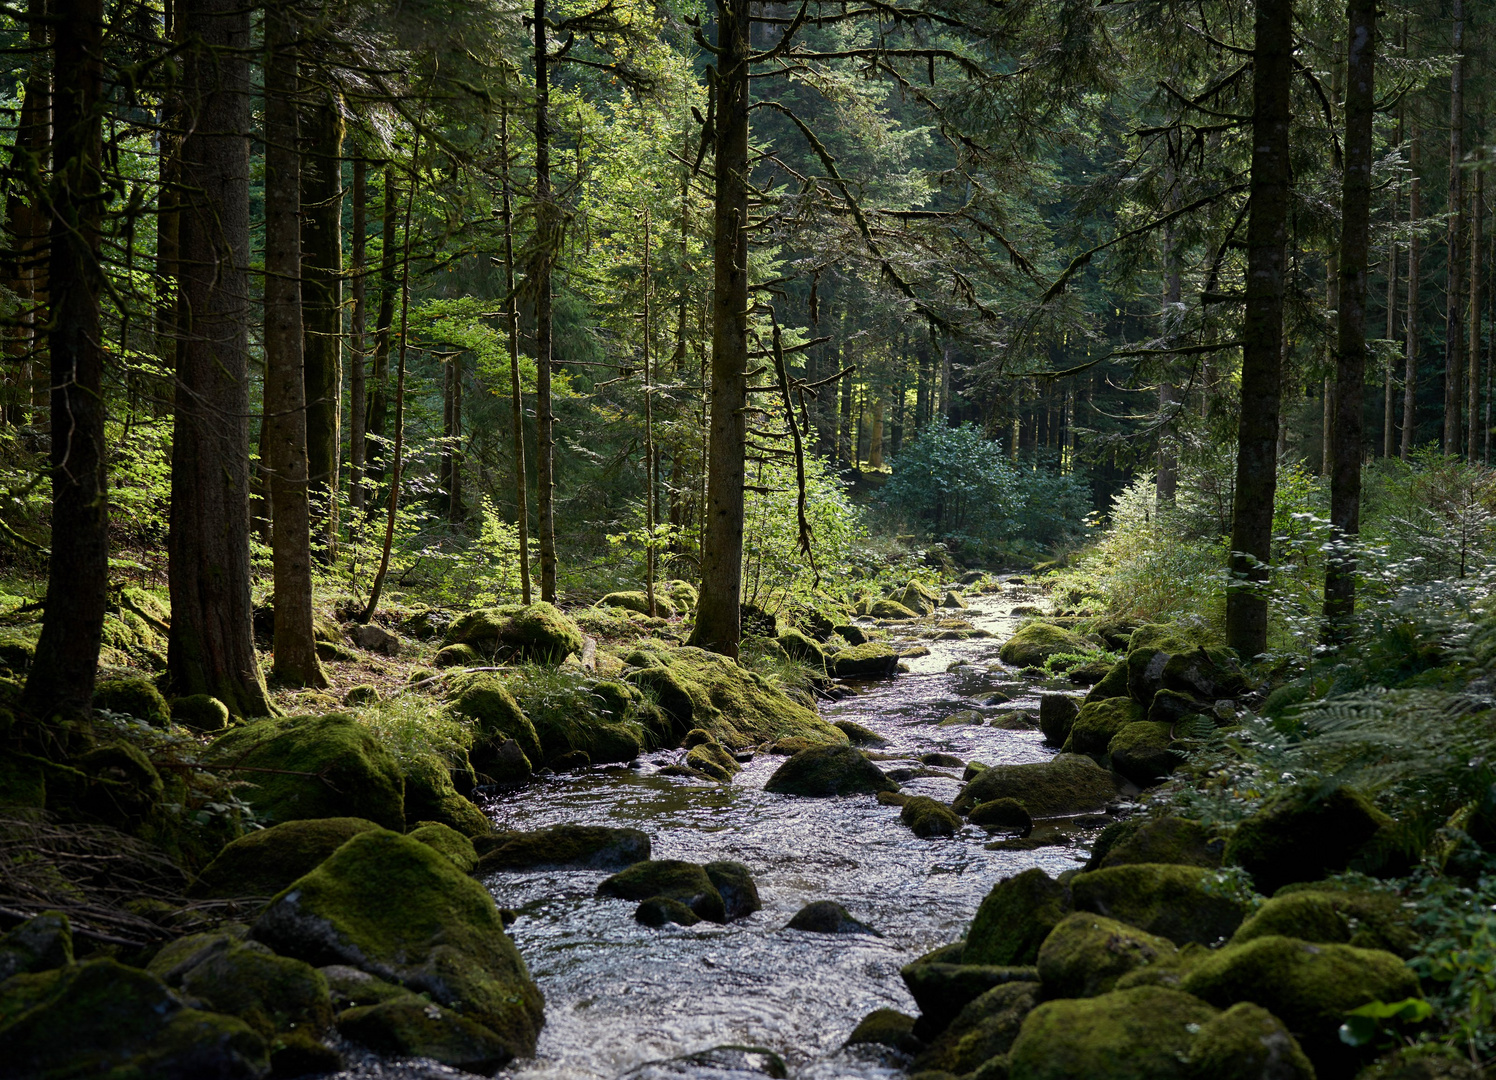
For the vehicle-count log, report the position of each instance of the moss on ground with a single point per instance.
(451, 843)
(262, 863)
(1174, 840)
(639, 601)
(133, 695)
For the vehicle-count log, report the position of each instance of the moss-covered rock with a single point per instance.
(1309, 986)
(40, 943)
(802, 647)
(1057, 713)
(927, 817)
(313, 767)
(639, 602)
(1204, 674)
(682, 594)
(447, 840)
(1067, 785)
(943, 988)
(1304, 837)
(869, 660)
(539, 632)
(891, 610)
(686, 882)
(918, 598)
(828, 917)
(583, 847)
(200, 712)
(133, 695)
(1182, 903)
(412, 1027)
(1015, 918)
(983, 1030)
(1086, 954)
(1112, 685)
(1002, 814)
(1174, 840)
(1426, 1061)
(431, 796)
(120, 786)
(859, 735)
(483, 699)
(23, 782)
(397, 909)
(1246, 1042)
(1036, 642)
(1099, 722)
(886, 1027)
(712, 758)
(262, 863)
(351, 987)
(1144, 753)
(100, 1018)
(825, 771)
(299, 1053)
(1139, 1034)
(660, 911)
(450, 656)
(270, 993)
(735, 882)
(852, 634)
(1368, 920)
(1175, 709)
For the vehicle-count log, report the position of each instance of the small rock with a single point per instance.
(377, 639)
(1002, 814)
(886, 1027)
(825, 771)
(859, 735)
(657, 911)
(947, 761)
(38, 944)
(735, 882)
(571, 761)
(412, 1027)
(675, 879)
(828, 917)
(928, 818)
(1057, 713)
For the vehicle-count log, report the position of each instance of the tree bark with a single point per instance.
(1410, 320)
(168, 198)
(322, 312)
(1477, 244)
(210, 648)
(1170, 317)
(28, 226)
(516, 399)
(1262, 365)
(548, 223)
(67, 654)
(357, 405)
(380, 377)
(649, 443)
(718, 613)
(1454, 357)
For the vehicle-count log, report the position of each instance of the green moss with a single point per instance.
(431, 796)
(1057, 713)
(270, 993)
(1138, 1034)
(1426, 1061)
(1304, 837)
(983, 1030)
(1160, 636)
(869, 659)
(828, 917)
(200, 712)
(539, 632)
(682, 594)
(1086, 954)
(824, 771)
(1204, 674)
(1182, 903)
(483, 698)
(122, 786)
(1036, 642)
(351, 987)
(451, 843)
(1368, 920)
(449, 656)
(411, 1027)
(713, 759)
(262, 863)
(590, 847)
(363, 694)
(1143, 753)
(1002, 814)
(1067, 785)
(40, 943)
(1174, 840)
(1015, 918)
(312, 767)
(928, 818)
(638, 601)
(23, 782)
(798, 646)
(686, 882)
(658, 911)
(889, 609)
(393, 907)
(885, 1027)
(943, 988)
(1099, 722)
(859, 735)
(134, 696)
(1246, 1042)
(1113, 685)
(735, 882)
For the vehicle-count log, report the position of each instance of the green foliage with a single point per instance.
(775, 571)
(1458, 958)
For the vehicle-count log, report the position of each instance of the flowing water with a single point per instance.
(626, 1000)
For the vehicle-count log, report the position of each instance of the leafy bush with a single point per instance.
(774, 569)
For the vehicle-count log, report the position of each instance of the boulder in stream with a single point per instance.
(1067, 785)
(942, 990)
(735, 882)
(886, 1027)
(928, 818)
(826, 771)
(1140, 1034)
(660, 911)
(1015, 918)
(1002, 814)
(1246, 1042)
(870, 659)
(1057, 713)
(1144, 753)
(828, 917)
(1174, 840)
(1098, 722)
(686, 882)
(1036, 642)
(859, 735)
(984, 1029)
(582, 847)
(409, 1026)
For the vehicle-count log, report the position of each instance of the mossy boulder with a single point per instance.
(1144, 753)
(505, 764)
(686, 882)
(1175, 709)
(582, 847)
(447, 840)
(802, 647)
(886, 1027)
(1368, 920)
(245, 979)
(1181, 903)
(1309, 986)
(983, 1030)
(1015, 918)
(101, 1018)
(1246, 1042)
(412, 1027)
(828, 917)
(133, 695)
(1036, 642)
(1057, 713)
(262, 863)
(1174, 840)
(639, 602)
(918, 598)
(120, 786)
(660, 911)
(431, 796)
(682, 594)
(1112, 685)
(539, 632)
(869, 660)
(942, 989)
(450, 656)
(711, 757)
(852, 634)
(393, 907)
(482, 698)
(1424, 1061)
(1002, 814)
(926, 817)
(200, 712)
(314, 767)
(891, 610)
(41, 943)
(23, 782)
(1069, 784)
(1099, 722)
(859, 735)
(735, 882)
(1086, 954)
(1204, 674)
(1140, 1034)
(826, 771)
(351, 987)
(1305, 836)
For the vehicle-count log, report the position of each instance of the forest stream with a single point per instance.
(626, 1000)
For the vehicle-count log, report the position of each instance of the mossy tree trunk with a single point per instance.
(357, 405)
(379, 378)
(1410, 320)
(322, 311)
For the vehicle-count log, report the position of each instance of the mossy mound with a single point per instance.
(100, 1018)
(711, 757)
(1057, 713)
(1144, 753)
(314, 767)
(1204, 674)
(735, 882)
(262, 863)
(1305, 837)
(1160, 636)
(983, 1030)
(660, 911)
(431, 796)
(918, 598)
(1099, 722)
(1015, 918)
(943, 989)
(1174, 840)
(802, 647)
(539, 632)
(1002, 814)
(1367, 920)
(826, 771)
(1182, 903)
(683, 595)
(639, 601)
(871, 659)
(200, 712)
(700, 689)
(135, 696)
(1067, 785)
(1112, 685)
(583, 847)
(1036, 642)
(395, 908)
(1310, 987)
(685, 882)
(23, 782)
(828, 917)
(351, 987)
(120, 786)
(40, 943)
(483, 699)
(891, 610)
(1139, 1034)
(447, 840)
(885, 1027)
(1426, 1061)
(1246, 1042)
(859, 735)
(269, 993)
(412, 1027)
(928, 818)
(1086, 954)
(450, 656)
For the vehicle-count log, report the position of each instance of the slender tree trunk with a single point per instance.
(516, 400)
(296, 662)
(67, 654)
(1389, 427)
(1170, 318)
(322, 312)
(457, 512)
(875, 437)
(718, 625)
(1477, 246)
(549, 225)
(210, 648)
(357, 405)
(649, 445)
(28, 226)
(1410, 320)
(1455, 286)
(380, 377)
(1350, 358)
(1262, 372)
(168, 227)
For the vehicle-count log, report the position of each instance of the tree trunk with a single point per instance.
(1410, 320)
(322, 312)
(456, 511)
(845, 452)
(168, 219)
(210, 648)
(285, 448)
(67, 654)
(649, 445)
(516, 400)
(1454, 356)
(1262, 366)
(28, 226)
(380, 377)
(718, 612)
(1477, 243)
(1170, 317)
(548, 223)
(357, 405)
(875, 438)
(1350, 358)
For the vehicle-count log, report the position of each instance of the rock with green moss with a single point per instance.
(918, 598)
(483, 699)
(1015, 918)
(686, 882)
(100, 1018)
(120, 787)
(1140, 1034)
(393, 907)
(41, 943)
(1067, 785)
(299, 1053)
(245, 979)
(890, 610)
(639, 601)
(363, 694)
(23, 782)
(1246, 1042)
(1305, 836)
(828, 917)
(1181, 903)
(828, 771)
(886, 1027)
(1144, 753)
(1366, 919)
(411, 1027)
(1204, 674)
(1112, 685)
(262, 863)
(1175, 709)
(1002, 814)
(852, 634)
(802, 647)
(872, 659)
(1036, 642)
(658, 911)
(1309, 986)
(1424, 1061)
(539, 632)
(431, 796)
(859, 735)
(450, 656)
(1175, 840)
(1057, 713)
(711, 757)
(350, 987)
(942, 989)
(133, 695)
(735, 882)
(200, 712)
(682, 594)
(301, 767)
(983, 1030)
(1086, 954)
(928, 818)
(451, 843)
(1099, 722)
(582, 847)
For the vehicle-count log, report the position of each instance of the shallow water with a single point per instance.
(625, 1000)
